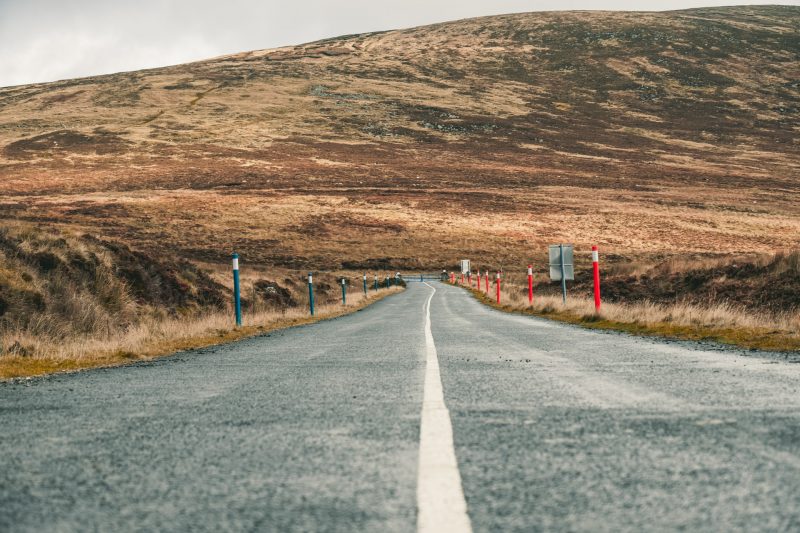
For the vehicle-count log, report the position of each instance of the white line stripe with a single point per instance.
(441, 506)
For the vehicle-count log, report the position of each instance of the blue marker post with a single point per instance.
(563, 274)
(365, 283)
(344, 292)
(237, 301)
(311, 293)
(376, 282)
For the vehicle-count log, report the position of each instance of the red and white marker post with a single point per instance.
(596, 269)
(498, 287)
(452, 278)
(530, 284)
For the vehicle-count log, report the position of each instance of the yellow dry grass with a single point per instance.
(723, 322)
(408, 150)
(153, 338)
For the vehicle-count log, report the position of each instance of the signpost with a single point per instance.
(562, 266)
(465, 266)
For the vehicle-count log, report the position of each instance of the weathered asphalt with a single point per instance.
(562, 428)
(310, 429)
(317, 429)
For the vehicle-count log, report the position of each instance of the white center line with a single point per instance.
(441, 505)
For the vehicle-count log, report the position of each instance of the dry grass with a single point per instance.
(410, 146)
(408, 150)
(724, 323)
(153, 337)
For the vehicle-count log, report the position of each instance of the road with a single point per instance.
(423, 407)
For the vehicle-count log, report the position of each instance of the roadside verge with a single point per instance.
(682, 322)
(170, 336)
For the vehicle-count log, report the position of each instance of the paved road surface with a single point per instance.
(318, 429)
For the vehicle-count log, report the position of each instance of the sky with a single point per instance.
(47, 40)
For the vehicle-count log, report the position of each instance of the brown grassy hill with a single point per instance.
(649, 134)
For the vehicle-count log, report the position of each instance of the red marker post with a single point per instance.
(530, 284)
(498, 287)
(596, 269)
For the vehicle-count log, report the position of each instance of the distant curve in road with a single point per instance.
(317, 428)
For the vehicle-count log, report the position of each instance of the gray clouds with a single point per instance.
(45, 40)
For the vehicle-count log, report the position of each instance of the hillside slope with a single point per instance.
(648, 133)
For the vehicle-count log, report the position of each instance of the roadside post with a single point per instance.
(563, 274)
(530, 284)
(311, 293)
(237, 300)
(487, 282)
(465, 269)
(387, 281)
(344, 291)
(596, 269)
(453, 278)
(562, 266)
(365, 283)
(376, 282)
(498, 287)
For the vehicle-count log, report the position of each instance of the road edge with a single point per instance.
(725, 339)
(49, 367)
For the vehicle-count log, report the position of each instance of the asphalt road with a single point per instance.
(317, 428)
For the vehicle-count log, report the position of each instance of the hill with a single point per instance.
(649, 134)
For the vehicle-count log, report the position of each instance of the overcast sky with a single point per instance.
(46, 40)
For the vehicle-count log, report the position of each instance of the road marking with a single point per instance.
(441, 506)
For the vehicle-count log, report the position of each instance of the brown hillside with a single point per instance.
(649, 134)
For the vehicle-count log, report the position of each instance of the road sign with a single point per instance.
(562, 267)
(556, 264)
(465, 267)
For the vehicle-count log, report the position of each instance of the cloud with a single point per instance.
(45, 40)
